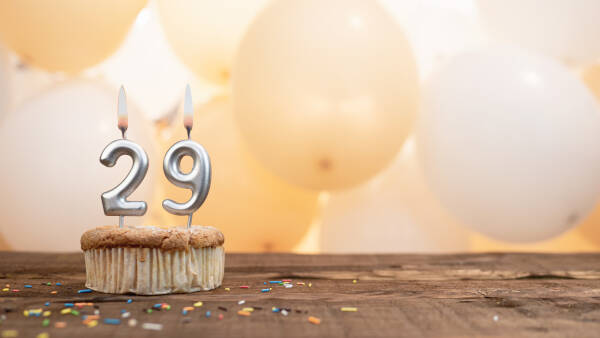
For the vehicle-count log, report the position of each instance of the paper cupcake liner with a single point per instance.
(152, 271)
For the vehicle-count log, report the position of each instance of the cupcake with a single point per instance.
(148, 260)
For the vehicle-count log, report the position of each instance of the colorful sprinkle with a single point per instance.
(286, 280)
(152, 326)
(248, 309)
(207, 314)
(10, 333)
(354, 281)
(132, 322)
(288, 286)
(184, 312)
(5, 289)
(284, 312)
(126, 315)
(300, 283)
(43, 335)
(84, 291)
(129, 301)
(92, 323)
(48, 284)
(112, 321)
(275, 309)
(265, 290)
(28, 286)
(244, 287)
(244, 313)
(46, 322)
(60, 325)
(53, 292)
(58, 284)
(349, 309)
(227, 289)
(15, 290)
(274, 282)
(75, 313)
(220, 316)
(314, 320)
(47, 303)
(198, 304)
(46, 313)
(65, 311)
(241, 302)
(69, 304)
(309, 285)
(189, 308)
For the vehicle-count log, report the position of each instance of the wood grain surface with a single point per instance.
(509, 295)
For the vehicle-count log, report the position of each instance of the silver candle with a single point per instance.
(115, 201)
(198, 179)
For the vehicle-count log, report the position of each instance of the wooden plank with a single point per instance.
(396, 295)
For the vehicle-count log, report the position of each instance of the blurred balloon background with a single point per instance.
(309, 112)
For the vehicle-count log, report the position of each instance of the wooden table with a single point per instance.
(395, 295)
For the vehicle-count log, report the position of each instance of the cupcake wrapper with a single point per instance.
(152, 271)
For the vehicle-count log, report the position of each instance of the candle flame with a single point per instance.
(122, 111)
(188, 109)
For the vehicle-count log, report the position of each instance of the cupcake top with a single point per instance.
(177, 238)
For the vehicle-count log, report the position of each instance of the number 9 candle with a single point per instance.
(198, 179)
(115, 201)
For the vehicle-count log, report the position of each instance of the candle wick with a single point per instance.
(189, 224)
(121, 220)
(123, 130)
(189, 130)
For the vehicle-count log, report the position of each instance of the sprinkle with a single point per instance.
(75, 313)
(112, 321)
(65, 311)
(248, 309)
(496, 318)
(349, 309)
(48, 283)
(189, 308)
(53, 292)
(244, 287)
(148, 310)
(314, 320)
(69, 304)
(132, 322)
(220, 316)
(241, 302)
(47, 303)
(227, 289)
(58, 284)
(286, 280)
(284, 312)
(97, 312)
(166, 306)
(207, 314)
(85, 291)
(90, 318)
(354, 281)
(184, 312)
(274, 282)
(222, 308)
(15, 290)
(244, 313)
(265, 283)
(46, 313)
(92, 323)
(5, 289)
(60, 325)
(129, 301)
(198, 304)
(265, 290)
(309, 285)
(43, 335)
(46, 322)
(288, 286)
(157, 306)
(126, 315)
(10, 333)
(28, 286)
(26, 313)
(152, 326)
(275, 309)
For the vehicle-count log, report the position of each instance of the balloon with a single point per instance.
(51, 176)
(5, 80)
(509, 143)
(206, 34)
(325, 91)
(254, 210)
(146, 65)
(66, 35)
(568, 30)
(393, 212)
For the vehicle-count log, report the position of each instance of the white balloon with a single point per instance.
(51, 177)
(146, 65)
(568, 30)
(393, 212)
(5, 80)
(509, 142)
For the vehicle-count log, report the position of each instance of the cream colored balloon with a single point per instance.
(393, 212)
(206, 34)
(255, 210)
(66, 35)
(51, 177)
(325, 92)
